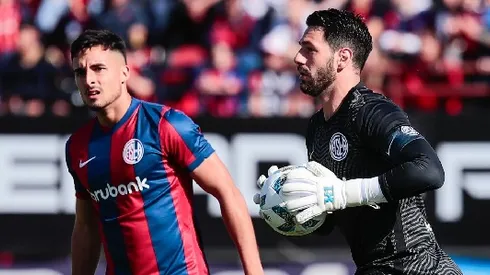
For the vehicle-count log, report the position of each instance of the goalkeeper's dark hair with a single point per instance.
(343, 28)
(93, 38)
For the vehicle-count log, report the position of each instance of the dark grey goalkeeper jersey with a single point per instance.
(370, 136)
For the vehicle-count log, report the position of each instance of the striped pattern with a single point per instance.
(395, 239)
(150, 230)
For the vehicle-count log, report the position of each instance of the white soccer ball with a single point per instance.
(274, 211)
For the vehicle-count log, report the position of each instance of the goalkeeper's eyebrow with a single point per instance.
(306, 44)
(303, 42)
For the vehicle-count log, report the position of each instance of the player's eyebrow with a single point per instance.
(303, 42)
(306, 43)
(95, 65)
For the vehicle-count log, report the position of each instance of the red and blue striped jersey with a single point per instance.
(137, 175)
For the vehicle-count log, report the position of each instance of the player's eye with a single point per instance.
(79, 73)
(310, 49)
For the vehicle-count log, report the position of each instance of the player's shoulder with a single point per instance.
(365, 102)
(82, 133)
(151, 111)
(156, 113)
(363, 97)
(176, 119)
(165, 117)
(375, 111)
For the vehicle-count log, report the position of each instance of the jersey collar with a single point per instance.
(132, 107)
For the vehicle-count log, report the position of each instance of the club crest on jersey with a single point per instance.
(409, 130)
(339, 147)
(133, 151)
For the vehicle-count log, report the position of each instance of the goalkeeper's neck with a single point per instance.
(334, 95)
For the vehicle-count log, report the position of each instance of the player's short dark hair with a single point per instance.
(93, 38)
(343, 28)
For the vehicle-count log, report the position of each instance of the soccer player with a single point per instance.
(133, 167)
(369, 166)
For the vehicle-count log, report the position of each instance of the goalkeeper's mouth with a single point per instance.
(303, 73)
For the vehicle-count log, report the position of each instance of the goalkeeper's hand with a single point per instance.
(273, 169)
(260, 183)
(310, 192)
(261, 180)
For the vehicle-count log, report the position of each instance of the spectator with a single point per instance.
(28, 80)
(220, 84)
(274, 91)
(230, 58)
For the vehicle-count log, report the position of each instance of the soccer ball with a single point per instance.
(274, 212)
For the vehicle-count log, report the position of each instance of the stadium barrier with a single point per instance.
(37, 201)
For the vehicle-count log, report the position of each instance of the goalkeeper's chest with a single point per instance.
(344, 153)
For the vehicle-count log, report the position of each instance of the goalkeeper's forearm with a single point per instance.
(420, 171)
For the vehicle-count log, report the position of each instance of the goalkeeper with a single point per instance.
(368, 167)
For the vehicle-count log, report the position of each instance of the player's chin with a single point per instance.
(95, 105)
(308, 89)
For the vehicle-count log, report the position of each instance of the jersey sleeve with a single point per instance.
(182, 140)
(80, 191)
(416, 167)
(385, 126)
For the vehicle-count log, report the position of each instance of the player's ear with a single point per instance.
(344, 58)
(124, 74)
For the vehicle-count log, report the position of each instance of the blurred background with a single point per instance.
(228, 65)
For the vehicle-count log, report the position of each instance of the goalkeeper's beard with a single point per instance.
(315, 86)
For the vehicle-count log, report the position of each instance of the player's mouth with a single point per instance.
(93, 93)
(303, 74)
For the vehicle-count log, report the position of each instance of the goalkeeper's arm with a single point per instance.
(386, 129)
(417, 168)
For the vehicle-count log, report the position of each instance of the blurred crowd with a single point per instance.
(229, 58)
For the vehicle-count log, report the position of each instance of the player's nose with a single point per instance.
(299, 59)
(90, 78)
